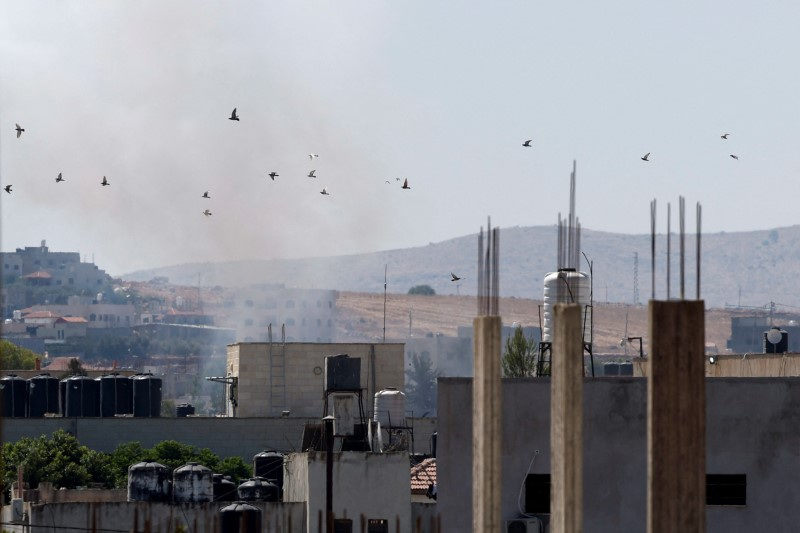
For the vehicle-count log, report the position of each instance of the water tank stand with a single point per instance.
(359, 393)
(546, 352)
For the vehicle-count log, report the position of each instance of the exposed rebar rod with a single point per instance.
(699, 235)
(682, 221)
(669, 235)
(653, 246)
(489, 272)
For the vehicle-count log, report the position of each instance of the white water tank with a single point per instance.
(390, 408)
(562, 287)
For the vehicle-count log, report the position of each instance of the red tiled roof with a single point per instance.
(423, 475)
(73, 319)
(40, 274)
(40, 314)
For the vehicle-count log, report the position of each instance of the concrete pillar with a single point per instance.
(486, 426)
(566, 421)
(676, 418)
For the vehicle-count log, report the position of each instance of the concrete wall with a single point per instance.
(304, 374)
(753, 428)
(372, 485)
(759, 365)
(252, 435)
(155, 517)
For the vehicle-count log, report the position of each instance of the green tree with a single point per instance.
(421, 385)
(425, 290)
(234, 467)
(13, 357)
(74, 368)
(519, 358)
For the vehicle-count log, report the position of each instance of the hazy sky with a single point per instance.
(440, 93)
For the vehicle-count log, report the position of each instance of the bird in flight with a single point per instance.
(207, 212)
(312, 156)
(406, 185)
(527, 143)
(19, 130)
(325, 191)
(646, 156)
(104, 182)
(205, 195)
(735, 156)
(233, 116)
(59, 178)
(724, 136)
(397, 179)
(455, 278)
(8, 189)
(311, 174)
(389, 182)
(273, 175)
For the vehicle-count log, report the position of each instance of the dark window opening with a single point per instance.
(537, 494)
(377, 525)
(726, 489)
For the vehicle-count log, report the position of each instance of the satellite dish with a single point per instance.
(774, 335)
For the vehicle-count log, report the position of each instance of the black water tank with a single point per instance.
(258, 489)
(116, 395)
(184, 409)
(224, 489)
(269, 464)
(146, 395)
(43, 395)
(148, 482)
(82, 397)
(14, 396)
(240, 517)
(342, 372)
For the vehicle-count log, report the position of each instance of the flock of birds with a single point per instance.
(312, 174)
(207, 212)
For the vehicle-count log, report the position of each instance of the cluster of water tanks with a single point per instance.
(194, 483)
(81, 396)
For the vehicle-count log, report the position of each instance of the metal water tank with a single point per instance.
(390, 408)
(14, 396)
(146, 395)
(192, 483)
(82, 397)
(342, 372)
(116, 395)
(240, 517)
(258, 489)
(566, 286)
(224, 489)
(43, 395)
(611, 369)
(183, 410)
(148, 482)
(269, 464)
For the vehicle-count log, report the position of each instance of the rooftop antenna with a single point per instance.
(699, 215)
(653, 246)
(669, 235)
(385, 272)
(682, 207)
(488, 275)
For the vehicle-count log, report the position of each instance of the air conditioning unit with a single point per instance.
(524, 525)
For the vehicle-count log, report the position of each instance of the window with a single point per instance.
(71, 281)
(248, 322)
(290, 321)
(726, 489)
(289, 304)
(92, 317)
(330, 323)
(537, 494)
(319, 322)
(271, 304)
(58, 282)
(304, 304)
(303, 322)
(248, 303)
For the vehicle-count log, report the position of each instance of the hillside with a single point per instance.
(747, 268)
(360, 317)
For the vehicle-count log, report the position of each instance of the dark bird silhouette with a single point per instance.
(205, 195)
(19, 130)
(455, 278)
(273, 175)
(527, 143)
(724, 136)
(406, 185)
(735, 156)
(646, 156)
(389, 182)
(233, 116)
(59, 179)
(104, 182)
(207, 212)
(325, 191)
(8, 189)
(311, 174)
(397, 179)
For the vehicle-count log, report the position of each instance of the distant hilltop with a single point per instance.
(748, 269)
